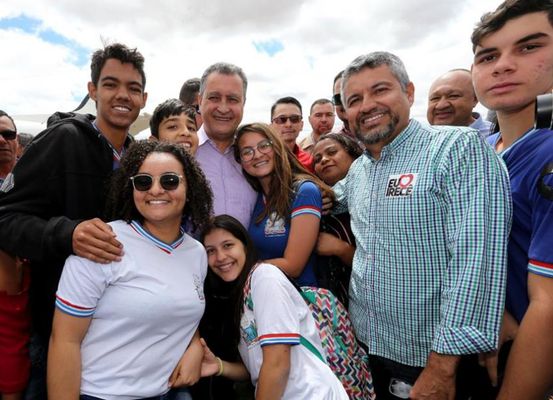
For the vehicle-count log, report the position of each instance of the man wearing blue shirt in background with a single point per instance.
(513, 63)
(430, 212)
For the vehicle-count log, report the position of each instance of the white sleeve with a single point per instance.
(81, 285)
(277, 306)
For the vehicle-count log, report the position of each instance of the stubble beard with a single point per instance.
(380, 135)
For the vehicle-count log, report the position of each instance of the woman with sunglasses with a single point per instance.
(120, 330)
(286, 216)
(269, 319)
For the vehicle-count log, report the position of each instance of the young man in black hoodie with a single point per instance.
(51, 204)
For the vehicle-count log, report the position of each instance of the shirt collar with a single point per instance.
(400, 139)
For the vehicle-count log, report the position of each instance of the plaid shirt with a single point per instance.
(431, 220)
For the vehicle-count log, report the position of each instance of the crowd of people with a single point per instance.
(172, 268)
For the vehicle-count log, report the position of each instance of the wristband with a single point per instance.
(221, 369)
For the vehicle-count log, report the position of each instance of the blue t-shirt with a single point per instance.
(531, 239)
(270, 236)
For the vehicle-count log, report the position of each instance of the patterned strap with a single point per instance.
(309, 346)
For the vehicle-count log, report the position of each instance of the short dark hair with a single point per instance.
(286, 100)
(338, 76)
(351, 146)
(119, 52)
(167, 109)
(493, 21)
(5, 114)
(120, 203)
(189, 91)
(224, 69)
(318, 101)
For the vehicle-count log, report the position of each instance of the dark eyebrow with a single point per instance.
(533, 36)
(485, 51)
(112, 78)
(527, 38)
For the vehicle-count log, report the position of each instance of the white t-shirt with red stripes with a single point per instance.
(280, 315)
(144, 309)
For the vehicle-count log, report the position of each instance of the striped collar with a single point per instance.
(167, 248)
(116, 154)
(525, 136)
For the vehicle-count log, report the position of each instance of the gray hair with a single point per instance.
(372, 61)
(225, 69)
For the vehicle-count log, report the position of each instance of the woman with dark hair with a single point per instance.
(333, 155)
(270, 316)
(120, 330)
(286, 217)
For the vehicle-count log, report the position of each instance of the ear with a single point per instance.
(92, 90)
(410, 91)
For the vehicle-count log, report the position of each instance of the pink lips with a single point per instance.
(504, 87)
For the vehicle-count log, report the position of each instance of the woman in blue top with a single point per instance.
(286, 218)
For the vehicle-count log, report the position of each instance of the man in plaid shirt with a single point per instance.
(430, 210)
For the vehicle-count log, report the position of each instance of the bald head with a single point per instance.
(451, 99)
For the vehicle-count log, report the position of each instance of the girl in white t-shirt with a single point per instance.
(121, 329)
(270, 326)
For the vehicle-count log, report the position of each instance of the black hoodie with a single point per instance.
(59, 182)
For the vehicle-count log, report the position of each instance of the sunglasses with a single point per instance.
(144, 182)
(8, 135)
(247, 153)
(281, 120)
(337, 100)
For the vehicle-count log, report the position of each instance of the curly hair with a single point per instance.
(287, 172)
(120, 205)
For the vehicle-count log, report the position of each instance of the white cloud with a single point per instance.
(180, 39)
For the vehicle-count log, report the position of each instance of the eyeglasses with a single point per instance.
(264, 147)
(144, 182)
(337, 100)
(281, 120)
(8, 134)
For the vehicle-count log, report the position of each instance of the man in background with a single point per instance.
(451, 101)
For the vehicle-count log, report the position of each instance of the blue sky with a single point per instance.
(34, 26)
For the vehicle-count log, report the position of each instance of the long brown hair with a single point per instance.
(287, 172)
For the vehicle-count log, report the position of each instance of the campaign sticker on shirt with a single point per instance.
(199, 286)
(8, 183)
(275, 226)
(401, 185)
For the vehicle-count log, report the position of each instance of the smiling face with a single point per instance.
(262, 165)
(331, 161)
(289, 130)
(179, 129)
(160, 208)
(322, 118)
(451, 99)
(514, 64)
(119, 96)
(226, 254)
(8, 148)
(222, 105)
(376, 105)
